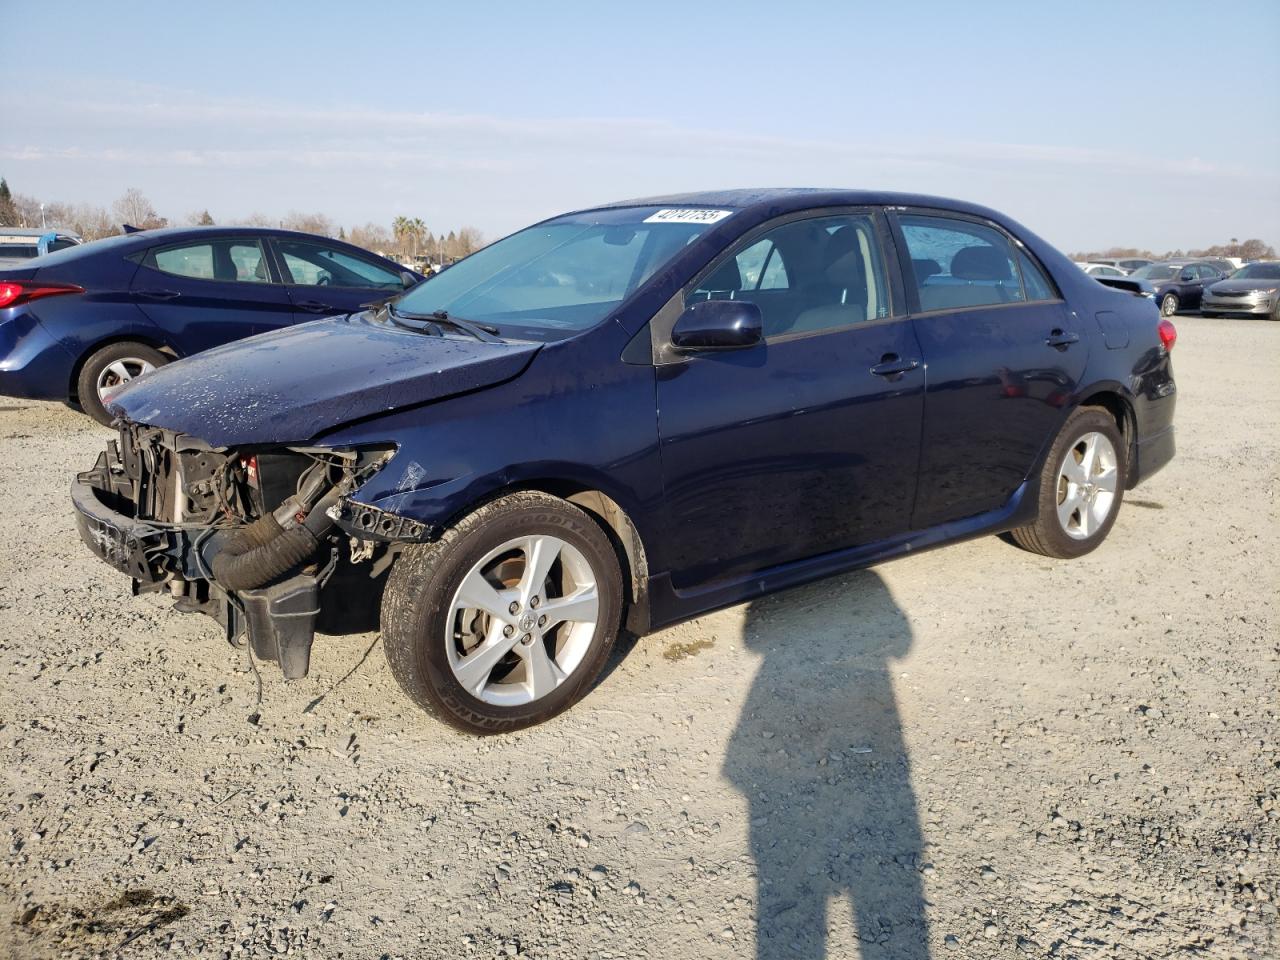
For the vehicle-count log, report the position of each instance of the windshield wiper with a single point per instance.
(481, 331)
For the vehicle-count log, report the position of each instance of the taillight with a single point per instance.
(1168, 334)
(16, 292)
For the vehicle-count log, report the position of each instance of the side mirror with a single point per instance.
(718, 325)
(1185, 276)
(407, 279)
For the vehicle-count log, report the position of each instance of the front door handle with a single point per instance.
(892, 365)
(159, 294)
(315, 306)
(1062, 338)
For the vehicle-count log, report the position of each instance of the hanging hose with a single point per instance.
(271, 546)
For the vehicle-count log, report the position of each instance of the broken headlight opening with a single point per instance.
(253, 537)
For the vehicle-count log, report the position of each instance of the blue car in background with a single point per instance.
(22, 243)
(77, 323)
(1179, 284)
(635, 413)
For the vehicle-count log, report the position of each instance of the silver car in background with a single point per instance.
(1253, 289)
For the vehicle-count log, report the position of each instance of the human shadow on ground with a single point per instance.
(819, 755)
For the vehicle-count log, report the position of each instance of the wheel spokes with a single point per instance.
(474, 670)
(1072, 470)
(542, 673)
(1069, 507)
(540, 554)
(477, 593)
(1089, 456)
(581, 606)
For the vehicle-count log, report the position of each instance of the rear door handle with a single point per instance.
(315, 306)
(892, 365)
(1062, 338)
(159, 294)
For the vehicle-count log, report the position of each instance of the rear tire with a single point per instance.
(1081, 487)
(508, 618)
(1169, 305)
(110, 367)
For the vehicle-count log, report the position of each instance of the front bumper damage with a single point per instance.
(261, 541)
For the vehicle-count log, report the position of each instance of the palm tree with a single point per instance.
(400, 230)
(417, 230)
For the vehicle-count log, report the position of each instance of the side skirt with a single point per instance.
(668, 605)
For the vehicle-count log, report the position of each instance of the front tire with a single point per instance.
(109, 368)
(1169, 305)
(508, 618)
(1081, 487)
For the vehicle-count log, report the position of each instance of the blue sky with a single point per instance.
(1092, 123)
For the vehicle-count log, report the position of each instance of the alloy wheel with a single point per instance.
(120, 372)
(1087, 486)
(1169, 305)
(522, 620)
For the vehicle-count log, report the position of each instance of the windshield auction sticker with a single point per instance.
(688, 215)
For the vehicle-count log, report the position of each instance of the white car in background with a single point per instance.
(1101, 270)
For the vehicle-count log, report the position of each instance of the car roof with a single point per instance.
(165, 233)
(783, 200)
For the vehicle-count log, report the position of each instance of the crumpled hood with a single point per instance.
(289, 385)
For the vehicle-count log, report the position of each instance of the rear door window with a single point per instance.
(959, 263)
(234, 260)
(1036, 284)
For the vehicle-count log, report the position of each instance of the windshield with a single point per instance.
(1154, 272)
(1258, 271)
(564, 275)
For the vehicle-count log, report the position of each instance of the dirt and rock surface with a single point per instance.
(973, 752)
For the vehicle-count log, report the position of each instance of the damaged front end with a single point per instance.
(265, 540)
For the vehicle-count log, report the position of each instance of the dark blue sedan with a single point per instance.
(1179, 284)
(633, 414)
(78, 323)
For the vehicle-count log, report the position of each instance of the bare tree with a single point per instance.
(469, 240)
(136, 210)
(198, 218)
(256, 219)
(316, 223)
(27, 209)
(372, 237)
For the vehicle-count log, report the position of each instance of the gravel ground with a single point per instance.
(972, 753)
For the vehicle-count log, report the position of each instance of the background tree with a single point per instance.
(373, 237)
(400, 233)
(136, 210)
(316, 223)
(8, 212)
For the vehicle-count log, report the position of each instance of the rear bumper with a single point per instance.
(1153, 453)
(33, 365)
